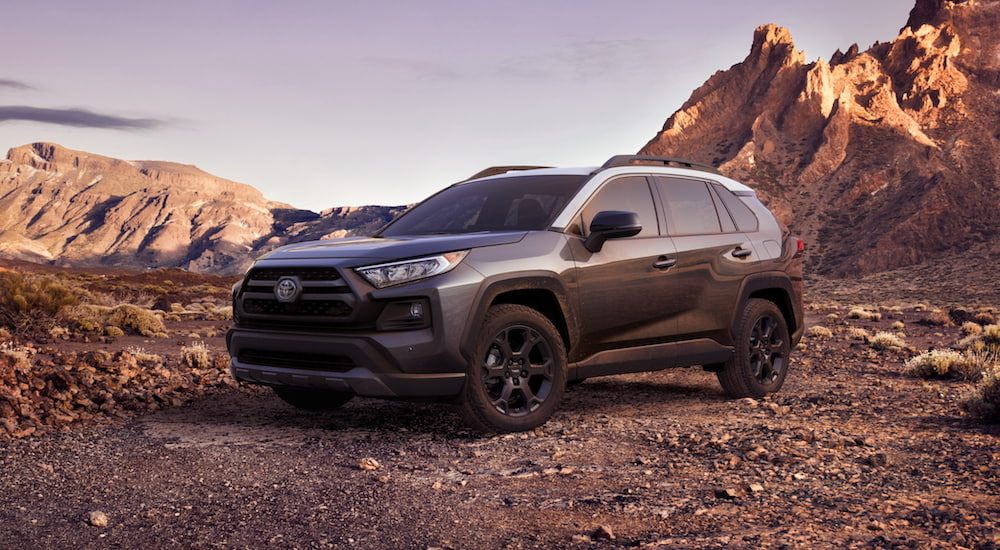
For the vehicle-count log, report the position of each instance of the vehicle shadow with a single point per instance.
(257, 415)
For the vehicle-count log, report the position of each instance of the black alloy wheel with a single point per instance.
(518, 374)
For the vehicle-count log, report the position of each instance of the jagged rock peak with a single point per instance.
(932, 12)
(881, 158)
(771, 40)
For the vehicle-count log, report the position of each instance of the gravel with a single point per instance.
(852, 453)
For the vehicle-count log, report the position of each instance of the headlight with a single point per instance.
(405, 271)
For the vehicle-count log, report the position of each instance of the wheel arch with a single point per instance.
(544, 294)
(778, 289)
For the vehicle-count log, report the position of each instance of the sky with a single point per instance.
(323, 103)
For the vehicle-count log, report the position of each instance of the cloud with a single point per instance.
(7, 83)
(421, 69)
(75, 117)
(584, 60)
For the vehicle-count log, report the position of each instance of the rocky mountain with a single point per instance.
(68, 207)
(881, 158)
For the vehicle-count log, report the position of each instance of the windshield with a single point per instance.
(517, 203)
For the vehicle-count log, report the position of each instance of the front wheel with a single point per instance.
(760, 363)
(517, 374)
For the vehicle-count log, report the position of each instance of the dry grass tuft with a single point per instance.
(819, 332)
(886, 341)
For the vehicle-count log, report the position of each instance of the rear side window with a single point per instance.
(689, 206)
(744, 218)
(626, 194)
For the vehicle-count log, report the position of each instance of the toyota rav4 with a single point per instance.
(499, 290)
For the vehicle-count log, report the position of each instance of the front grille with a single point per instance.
(325, 298)
(325, 308)
(303, 273)
(310, 361)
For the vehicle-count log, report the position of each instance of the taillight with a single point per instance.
(800, 247)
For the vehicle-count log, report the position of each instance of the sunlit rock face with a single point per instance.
(880, 158)
(73, 208)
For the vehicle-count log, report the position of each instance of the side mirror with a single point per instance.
(611, 224)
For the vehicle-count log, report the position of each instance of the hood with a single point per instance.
(391, 248)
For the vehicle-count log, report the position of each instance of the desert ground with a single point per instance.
(132, 441)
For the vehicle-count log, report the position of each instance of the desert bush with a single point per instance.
(940, 318)
(819, 332)
(919, 307)
(985, 318)
(948, 363)
(884, 341)
(985, 401)
(857, 333)
(898, 325)
(987, 340)
(143, 321)
(970, 328)
(864, 315)
(113, 331)
(30, 302)
(141, 355)
(87, 317)
(196, 356)
(224, 313)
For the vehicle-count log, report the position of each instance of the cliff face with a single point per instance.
(880, 159)
(72, 208)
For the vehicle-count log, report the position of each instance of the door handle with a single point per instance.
(664, 263)
(742, 252)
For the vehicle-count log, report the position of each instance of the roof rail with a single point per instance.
(494, 170)
(629, 160)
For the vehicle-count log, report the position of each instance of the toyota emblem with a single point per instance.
(288, 289)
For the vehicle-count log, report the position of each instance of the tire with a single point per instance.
(517, 374)
(760, 363)
(313, 400)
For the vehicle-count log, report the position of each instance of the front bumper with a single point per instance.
(401, 364)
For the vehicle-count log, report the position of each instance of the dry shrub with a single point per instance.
(940, 318)
(886, 341)
(32, 302)
(819, 332)
(857, 333)
(143, 321)
(948, 363)
(985, 402)
(970, 328)
(196, 356)
(864, 314)
(985, 318)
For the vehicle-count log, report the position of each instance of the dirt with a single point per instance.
(852, 453)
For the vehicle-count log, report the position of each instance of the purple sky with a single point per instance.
(336, 103)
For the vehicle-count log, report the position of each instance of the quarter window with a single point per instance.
(745, 219)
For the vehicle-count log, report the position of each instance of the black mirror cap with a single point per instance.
(611, 224)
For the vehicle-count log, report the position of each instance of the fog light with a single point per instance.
(417, 310)
(412, 314)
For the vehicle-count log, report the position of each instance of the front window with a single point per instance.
(516, 203)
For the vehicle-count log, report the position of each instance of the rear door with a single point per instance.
(712, 256)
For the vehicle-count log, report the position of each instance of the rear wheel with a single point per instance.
(518, 371)
(760, 363)
(313, 400)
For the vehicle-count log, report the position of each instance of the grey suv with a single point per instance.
(499, 290)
